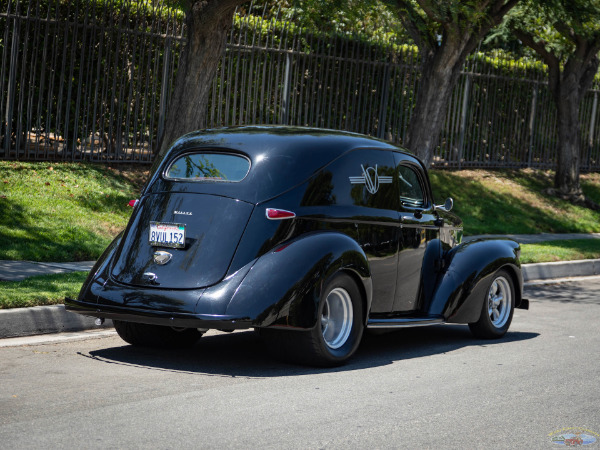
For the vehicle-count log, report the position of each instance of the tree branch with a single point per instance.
(497, 12)
(415, 24)
(540, 47)
(433, 15)
(587, 78)
(566, 31)
(500, 8)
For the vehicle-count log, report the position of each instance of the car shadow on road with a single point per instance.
(242, 354)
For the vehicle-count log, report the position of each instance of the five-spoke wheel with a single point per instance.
(335, 336)
(336, 318)
(498, 307)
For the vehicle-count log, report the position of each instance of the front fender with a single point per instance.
(462, 287)
(284, 286)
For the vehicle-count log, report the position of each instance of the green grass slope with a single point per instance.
(62, 211)
(511, 202)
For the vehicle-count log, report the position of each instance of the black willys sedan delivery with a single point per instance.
(306, 235)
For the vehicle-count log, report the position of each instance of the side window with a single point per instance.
(411, 191)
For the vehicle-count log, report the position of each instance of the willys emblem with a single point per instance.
(370, 179)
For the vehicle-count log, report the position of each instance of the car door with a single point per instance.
(418, 232)
(372, 192)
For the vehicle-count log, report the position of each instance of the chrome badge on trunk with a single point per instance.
(162, 258)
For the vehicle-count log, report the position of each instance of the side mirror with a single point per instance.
(447, 206)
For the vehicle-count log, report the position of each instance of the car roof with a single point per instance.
(281, 156)
(260, 139)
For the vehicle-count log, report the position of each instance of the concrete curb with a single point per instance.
(566, 269)
(19, 322)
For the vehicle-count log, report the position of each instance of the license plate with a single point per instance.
(167, 234)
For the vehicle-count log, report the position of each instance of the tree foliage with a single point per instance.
(445, 32)
(566, 36)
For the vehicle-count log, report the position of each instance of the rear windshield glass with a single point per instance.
(209, 167)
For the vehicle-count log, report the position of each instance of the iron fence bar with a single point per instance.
(592, 130)
(531, 126)
(463, 120)
(162, 109)
(11, 88)
(285, 96)
(22, 92)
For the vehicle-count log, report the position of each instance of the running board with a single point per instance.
(402, 323)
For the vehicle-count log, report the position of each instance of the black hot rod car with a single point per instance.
(309, 236)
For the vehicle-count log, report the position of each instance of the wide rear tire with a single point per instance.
(497, 309)
(144, 335)
(336, 335)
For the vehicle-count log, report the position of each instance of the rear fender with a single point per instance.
(99, 273)
(284, 286)
(462, 287)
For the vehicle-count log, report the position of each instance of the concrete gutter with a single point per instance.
(55, 319)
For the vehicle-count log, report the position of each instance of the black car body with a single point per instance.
(306, 235)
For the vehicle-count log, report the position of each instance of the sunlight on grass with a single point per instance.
(40, 290)
(564, 250)
(61, 211)
(511, 202)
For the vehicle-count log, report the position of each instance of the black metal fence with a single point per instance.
(90, 80)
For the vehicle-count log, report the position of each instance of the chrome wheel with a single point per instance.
(499, 301)
(337, 318)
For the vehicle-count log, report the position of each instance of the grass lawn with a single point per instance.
(511, 202)
(40, 290)
(62, 211)
(566, 250)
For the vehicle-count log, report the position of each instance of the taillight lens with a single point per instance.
(279, 214)
(133, 203)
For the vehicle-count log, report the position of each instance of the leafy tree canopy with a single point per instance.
(371, 19)
(432, 22)
(557, 26)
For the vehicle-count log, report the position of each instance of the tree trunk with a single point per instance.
(439, 75)
(568, 90)
(208, 23)
(567, 98)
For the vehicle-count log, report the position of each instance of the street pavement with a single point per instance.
(430, 387)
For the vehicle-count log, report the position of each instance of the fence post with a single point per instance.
(384, 102)
(592, 128)
(532, 123)
(162, 109)
(11, 94)
(463, 120)
(285, 96)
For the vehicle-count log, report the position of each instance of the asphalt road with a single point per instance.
(433, 387)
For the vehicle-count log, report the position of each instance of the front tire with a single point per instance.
(145, 335)
(498, 308)
(335, 337)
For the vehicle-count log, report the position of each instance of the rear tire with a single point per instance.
(498, 308)
(335, 337)
(144, 335)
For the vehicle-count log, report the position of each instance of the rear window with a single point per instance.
(209, 167)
